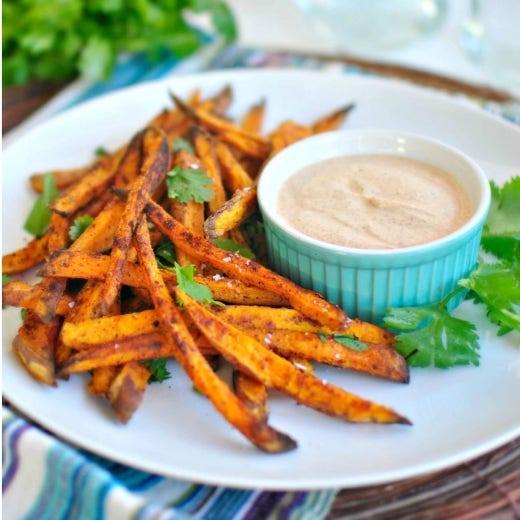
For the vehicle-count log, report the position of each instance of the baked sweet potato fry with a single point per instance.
(308, 302)
(215, 123)
(205, 149)
(77, 265)
(234, 175)
(89, 186)
(135, 348)
(156, 160)
(375, 360)
(26, 296)
(252, 393)
(249, 355)
(232, 214)
(197, 368)
(254, 117)
(127, 390)
(333, 120)
(271, 319)
(27, 257)
(34, 346)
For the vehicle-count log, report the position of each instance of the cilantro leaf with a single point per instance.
(182, 144)
(165, 253)
(497, 286)
(347, 340)
(185, 281)
(40, 214)
(433, 337)
(100, 151)
(157, 367)
(185, 184)
(80, 224)
(230, 245)
(501, 233)
(58, 39)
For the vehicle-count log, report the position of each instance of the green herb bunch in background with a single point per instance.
(60, 39)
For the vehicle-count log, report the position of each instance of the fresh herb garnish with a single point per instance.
(436, 338)
(165, 253)
(185, 281)
(100, 151)
(59, 39)
(497, 286)
(501, 233)
(230, 245)
(157, 367)
(40, 214)
(347, 340)
(186, 184)
(80, 224)
(430, 335)
(182, 144)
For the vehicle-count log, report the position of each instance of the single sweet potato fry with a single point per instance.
(34, 345)
(232, 214)
(375, 360)
(271, 319)
(252, 393)
(91, 185)
(234, 175)
(331, 121)
(27, 257)
(26, 296)
(135, 348)
(127, 390)
(101, 380)
(205, 148)
(254, 117)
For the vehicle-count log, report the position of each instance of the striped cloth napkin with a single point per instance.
(45, 478)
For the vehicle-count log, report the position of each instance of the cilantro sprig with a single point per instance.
(80, 224)
(158, 369)
(430, 335)
(186, 184)
(231, 245)
(59, 39)
(185, 281)
(347, 340)
(40, 214)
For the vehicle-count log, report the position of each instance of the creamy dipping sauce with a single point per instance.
(373, 201)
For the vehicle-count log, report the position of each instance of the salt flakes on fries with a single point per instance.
(108, 306)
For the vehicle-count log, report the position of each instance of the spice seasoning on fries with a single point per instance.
(141, 263)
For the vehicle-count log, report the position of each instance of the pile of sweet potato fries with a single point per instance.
(103, 304)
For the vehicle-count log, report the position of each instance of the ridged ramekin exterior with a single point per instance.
(366, 285)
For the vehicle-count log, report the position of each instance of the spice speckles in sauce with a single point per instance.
(373, 201)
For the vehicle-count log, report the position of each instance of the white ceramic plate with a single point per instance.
(457, 414)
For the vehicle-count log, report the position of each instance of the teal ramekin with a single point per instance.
(365, 282)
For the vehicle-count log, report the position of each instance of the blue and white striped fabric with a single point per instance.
(45, 478)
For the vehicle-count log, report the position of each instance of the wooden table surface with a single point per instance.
(485, 488)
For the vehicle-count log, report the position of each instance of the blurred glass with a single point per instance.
(491, 37)
(367, 26)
